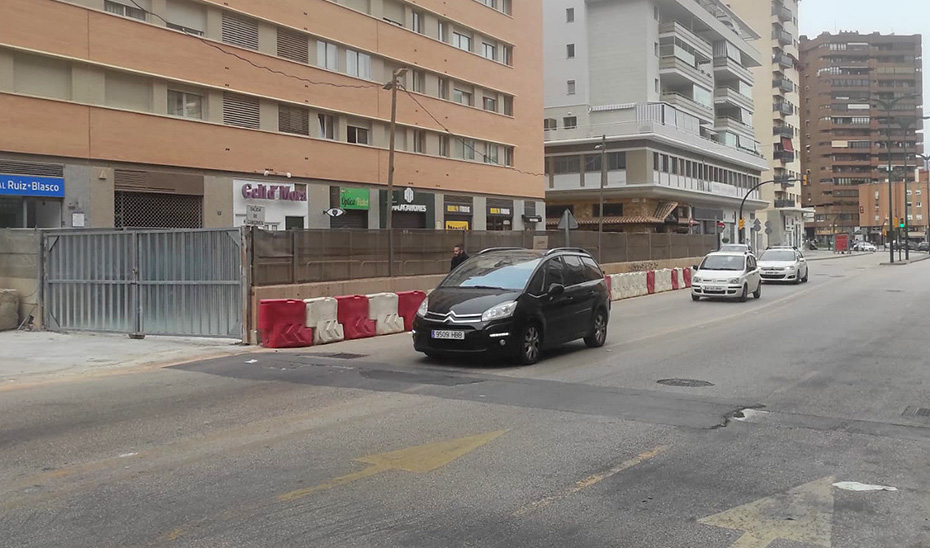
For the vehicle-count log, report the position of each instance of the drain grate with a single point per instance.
(920, 412)
(336, 355)
(688, 383)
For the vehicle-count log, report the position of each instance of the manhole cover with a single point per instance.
(337, 355)
(689, 383)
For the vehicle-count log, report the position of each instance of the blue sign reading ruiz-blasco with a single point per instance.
(24, 185)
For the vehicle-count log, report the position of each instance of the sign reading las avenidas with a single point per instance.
(19, 185)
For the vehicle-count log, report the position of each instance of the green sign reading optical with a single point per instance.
(353, 198)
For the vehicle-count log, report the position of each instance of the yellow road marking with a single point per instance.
(174, 534)
(803, 514)
(589, 481)
(418, 460)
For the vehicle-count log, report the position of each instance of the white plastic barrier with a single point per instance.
(626, 285)
(680, 272)
(616, 287)
(638, 285)
(663, 280)
(382, 308)
(321, 317)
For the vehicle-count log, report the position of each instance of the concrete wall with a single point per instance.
(19, 269)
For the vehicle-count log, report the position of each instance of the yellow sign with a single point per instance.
(803, 514)
(456, 225)
(417, 460)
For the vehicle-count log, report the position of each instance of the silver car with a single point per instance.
(783, 265)
(727, 275)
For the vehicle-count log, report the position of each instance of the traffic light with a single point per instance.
(804, 180)
(742, 223)
(901, 224)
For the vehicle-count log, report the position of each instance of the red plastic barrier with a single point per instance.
(675, 286)
(651, 281)
(407, 304)
(352, 313)
(687, 276)
(609, 285)
(281, 324)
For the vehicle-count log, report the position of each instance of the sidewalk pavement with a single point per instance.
(38, 356)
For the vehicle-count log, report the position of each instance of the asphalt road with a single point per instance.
(792, 403)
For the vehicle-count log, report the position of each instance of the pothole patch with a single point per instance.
(687, 383)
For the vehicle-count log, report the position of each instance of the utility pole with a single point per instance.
(389, 210)
(887, 106)
(600, 220)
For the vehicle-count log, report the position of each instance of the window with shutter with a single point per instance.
(293, 46)
(240, 31)
(293, 120)
(240, 110)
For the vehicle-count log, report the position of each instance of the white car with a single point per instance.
(864, 246)
(783, 264)
(727, 275)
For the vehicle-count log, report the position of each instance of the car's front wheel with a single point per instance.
(757, 294)
(695, 298)
(598, 335)
(530, 344)
(745, 295)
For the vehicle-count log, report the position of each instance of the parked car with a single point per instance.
(739, 248)
(812, 245)
(727, 275)
(515, 303)
(783, 264)
(923, 246)
(864, 246)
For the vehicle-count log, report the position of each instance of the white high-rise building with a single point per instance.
(669, 83)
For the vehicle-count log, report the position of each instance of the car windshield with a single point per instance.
(724, 262)
(494, 271)
(778, 255)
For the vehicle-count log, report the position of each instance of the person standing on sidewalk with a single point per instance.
(458, 256)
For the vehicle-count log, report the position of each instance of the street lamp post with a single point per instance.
(926, 200)
(742, 231)
(887, 106)
(600, 211)
(389, 209)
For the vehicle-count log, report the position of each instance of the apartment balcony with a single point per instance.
(783, 108)
(783, 203)
(676, 72)
(783, 60)
(783, 84)
(783, 156)
(674, 30)
(784, 37)
(783, 13)
(725, 123)
(783, 131)
(731, 97)
(724, 67)
(689, 105)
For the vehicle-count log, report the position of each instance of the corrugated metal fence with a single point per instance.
(305, 256)
(144, 282)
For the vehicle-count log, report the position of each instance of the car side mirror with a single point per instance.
(695, 267)
(555, 290)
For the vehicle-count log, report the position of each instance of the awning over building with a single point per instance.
(786, 144)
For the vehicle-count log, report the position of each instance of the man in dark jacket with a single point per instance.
(458, 256)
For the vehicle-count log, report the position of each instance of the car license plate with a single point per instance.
(714, 288)
(449, 335)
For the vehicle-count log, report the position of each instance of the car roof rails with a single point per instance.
(575, 249)
(488, 250)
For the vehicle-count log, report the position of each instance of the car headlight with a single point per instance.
(733, 281)
(696, 280)
(424, 306)
(503, 310)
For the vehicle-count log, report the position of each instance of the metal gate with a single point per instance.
(144, 282)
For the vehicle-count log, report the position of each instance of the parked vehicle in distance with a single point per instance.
(515, 303)
(812, 245)
(738, 248)
(862, 245)
(923, 246)
(727, 275)
(784, 264)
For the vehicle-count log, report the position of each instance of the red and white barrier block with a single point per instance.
(321, 316)
(382, 309)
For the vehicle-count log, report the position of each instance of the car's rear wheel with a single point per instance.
(745, 295)
(530, 344)
(598, 335)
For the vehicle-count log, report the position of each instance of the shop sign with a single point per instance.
(282, 193)
(464, 209)
(413, 208)
(354, 198)
(24, 185)
(532, 218)
(456, 225)
(255, 215)
(499, 211)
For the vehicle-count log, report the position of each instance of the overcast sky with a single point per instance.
(867, 16)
